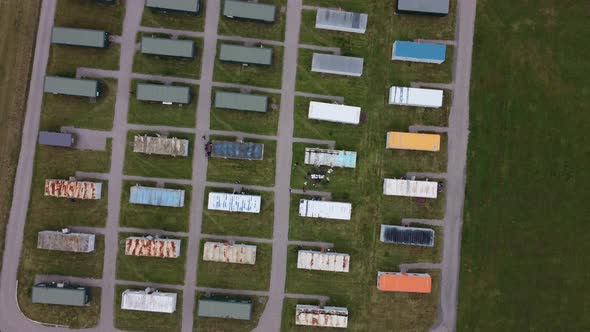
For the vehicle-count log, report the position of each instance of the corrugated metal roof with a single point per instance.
(168, 47)
(312, 315)
(324, 209)
(323, 261)
(73, 189)
(334, 112)
(152, 302)
(407, 235)
(160, 145)
(79, 37)
(246, 54)
(418, 52)
(249, 10)
(337, 64)
(332, 158)
(156, 196)
(436, 7)
(146, 247)
(191, 6)
(229, 253)
(241, 101)
(413, 141)
(60, 294)
(410, 188)
(237, 150)
(339, 20)
(72, 242)
(56, 139)
(234, 202)
(224, 308)
(415, 97)
(164, 93)
(404, 282)
(71, 86)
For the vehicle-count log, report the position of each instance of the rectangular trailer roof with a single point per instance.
(410, 188)
(156, 196)
(60, 294)
(189, 6)
(332, 158)
(225, 308)
(142, 300)
(234, 202)
(229, 253)
(149, 247)
(241, 101)
(404, 282)
(163, 93)
(73, 189)
(79, 37)
(337, 64)
(65, 140)
(249, 10)
(428, 7)
(160, 145)
(71, 86)
(415, 97)
(237, 150)
(339, 20)
(246, 54)
(324, 209)
(323, 261)
(413, 141)
(418, 52)
(334, 112)
(320, 316)
(168, 47)
(60, 241)
(407, 235)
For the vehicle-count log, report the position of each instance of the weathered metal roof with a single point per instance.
(337, 64)
(312, 315)
(237, 150)
(190, 6)
(434, 7)
(147, 247)
(168, 47)
(339, 20)
(56, 139)
(334, 112)
(229, 253)
(241, 101)
(324, 209)
(234, 202)
(72, 242)
(249, 10)
(164, 93)
(79, 37)
(60, 294)
(413, 141)
(404, 282)
(332, 158)
(323, 261)
(418, 52)
(224, 308)
(160, 145)
(71, 86)
(142, 300)
(73, 189)
(156, 196)
(407, 235)
(410, 188)
(415, 97)
(246, 54)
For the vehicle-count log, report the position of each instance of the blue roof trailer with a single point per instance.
(418, 52)
(156, 196)
(237, 150)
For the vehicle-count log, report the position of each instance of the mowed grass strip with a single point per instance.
(64, 60)
(168, 65)
(254, 29)
(132, 320)
(233, 325)
(90, 15)
(240, 223)
(174, 20)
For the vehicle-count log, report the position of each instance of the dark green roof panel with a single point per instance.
(191, 6)
(71, 86)
(168, 47)
(164, 93)
(249, 10)
(246, 54)
(221, 308)
(80, 37)
(50, 294)
(241, 101)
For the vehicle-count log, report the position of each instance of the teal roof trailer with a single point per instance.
(245, 54)
(249, 11)
(80, 37)
(72, 86)
(168, 47)
(241, 101)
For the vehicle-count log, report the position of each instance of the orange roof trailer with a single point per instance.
(413, 141)
(404, 282)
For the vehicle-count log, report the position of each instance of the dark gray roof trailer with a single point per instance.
(65, 140)
(423, 7)
(186, 6)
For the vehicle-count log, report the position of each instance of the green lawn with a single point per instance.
(524, 257)
(61, 110)
(157, 165)
(171, 20)
(155, 217)
(237, 276)
(90, 15)
(240, 224)
(178, 115)
(169, 66)
(230, 325)
(64, 60)
(252, 29)
(131, 320)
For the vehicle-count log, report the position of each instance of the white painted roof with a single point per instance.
(410, 188)
(323, 261)
(339, 20)
(312, 315)
(332, 158)
(415, 97)
(234, 202)
(140, 300)
(325, 209)
(229, 253)
(334, 112)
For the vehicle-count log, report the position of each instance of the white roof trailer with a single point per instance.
(146, 300)
(339, 20)
(234, 202)
(337, 64)
(334, 112)
(323, 261)
(332, 158)
(410, 188)
(229, 253)
(325, 210)
(415, 97)
(312, 315)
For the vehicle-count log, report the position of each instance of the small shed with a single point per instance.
(413, 236)
(150, 247)
(234, 202)
(148, 300)
(80, 37)
(73, 189)
(65, 241)
(165, 94)
(320, 316)
(156, 196)
(225, 308)
(339, 20)
(237, 150)
(229, 253)
(337, 64)
(160, 145)
(184, 6)
(415, 97)
(334, 112)
(260, 12)
(418, 52)
(410, 188)
(65, 140)
(404, 282)
(325, 209)
(168, 47)
(332, 158)
(413, 141)
(323, 261)
(249, 55)
(71, 86)
(60, 294)
(241, 101)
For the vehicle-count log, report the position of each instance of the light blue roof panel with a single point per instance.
(237, 150)
(415, 50)
(156, 196)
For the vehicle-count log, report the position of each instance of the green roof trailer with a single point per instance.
(60, 294)
(225, 308)
(186, 6)
(80, 37)
(72, 86)
(249, 11)
(168, 47)
(164, 93)
(241, 101)
(246, 54)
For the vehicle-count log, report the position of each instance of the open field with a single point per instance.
(90, 15)
(130, 320)
(252, 29)
(169, 66)
(64, 60)
(527, 184)
(171, 20)
(231, 325)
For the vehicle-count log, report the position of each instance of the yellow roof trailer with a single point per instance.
(413, 141)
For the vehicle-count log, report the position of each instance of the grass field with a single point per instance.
(64, 60)
(246, 28)
(169, 66)
(90, 15)
(171, 20)
(527, 186)
(130, 320)
(231, 325)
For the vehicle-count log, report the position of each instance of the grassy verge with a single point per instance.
(171, 20)
(245, 28)
(64, 60)
(169, 66)
(130, 320)
(90, 15)
(231, 325)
